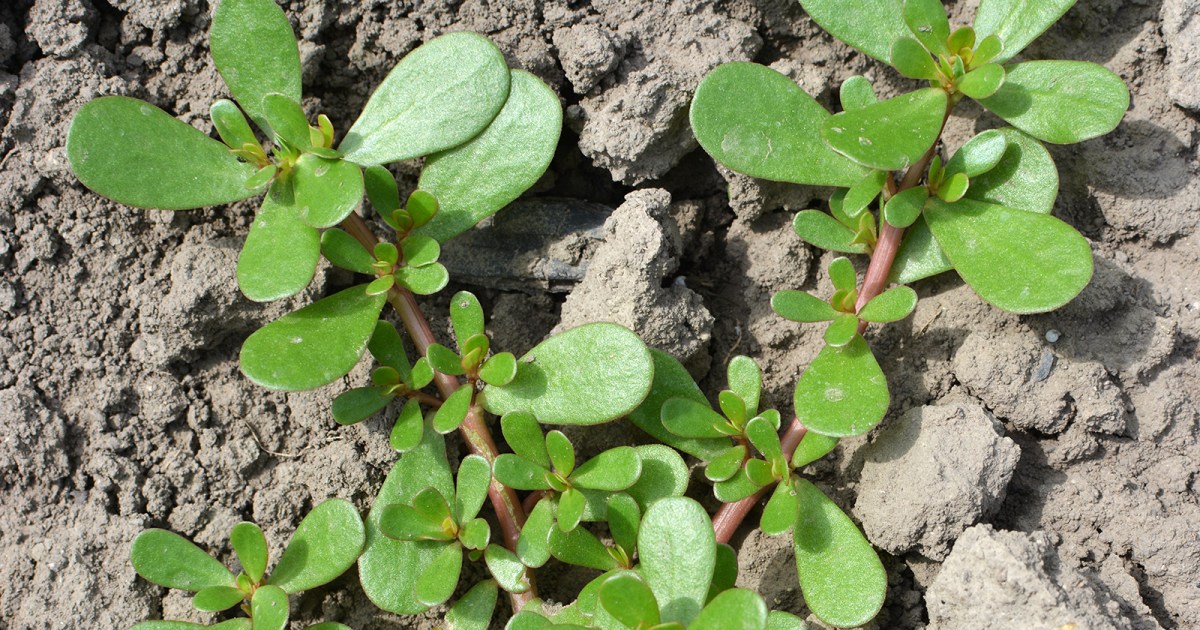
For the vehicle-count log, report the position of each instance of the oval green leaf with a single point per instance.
(170, 560)
(255, 51)
(474, 476)
(892, 305)
(856, 93)
(453, 410)
(678, 552)
(928, 22)
(136, 154)
(735, 609)
(758, 122)
(499, 370)
(424, 280)
(871, 26)
(533, 545)
(627, 598)
(842, 579)
(580, 548)
(979, 155)
(612, 470)
(779, 515)
(251, 548)
(343, 250)
(745, 380)
(438, 96)
(473, 611)
(910, 58)
(843, 392)
(671, 380)
(519, 473)
(903, 209)
(315, 345)
(1017, 22)
(439, 580)
(983, 81)
(801, 306)
(1036, 94)
(217, 598)
(409, 428)
(726, 465)
(813, 446)
(287, 120)
(325, 191)
(664, 474)
(269, 608)
(230, 124)
(507, 569)
(1025, 176)
(692, 419)
(326, 543)
(826, 232)
(842, 330)
(588, 375)
(889, 135)
(280, 255)
(524, 436)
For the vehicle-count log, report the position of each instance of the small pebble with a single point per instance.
(1045, 367)
(1052, 335)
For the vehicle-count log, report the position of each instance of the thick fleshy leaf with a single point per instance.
(287, 120)
(856, 93)
(983, 81)
(688, 418)
(570, 510)
(627, 598)
(1017, 22)
(255, 51)
(842, 330)
(624, 519)
(388, 349)
(813, 446)
(580, 548)
(979, 155)
(725, 571)
(842, 274)
(826, 232)
(280, 254)
(474, 475)
(519, 473)
(587, 375)
(664, 474)
(230, 124)
(671, 380)
(389, 568)
(892, 305)
(1040, 264)
(801, 306)
(843, 392)
(315, 345)
(358, 404)
(862, 193)
(439, 580)
(499, 370)
(420, 250)
(473, 611)
(325, 191)
(346, 252)
(763, 436)
(269, 608)
(927, 21)
(533, 544)
(840, 574)
(135, 153)
(1036, 94)
(326, 543)
(410, 426)
(453, 410)
(889, 135)
(745, 380)
(382, 190)
(911, 59)
(217, 598)
(871, 26)
(759, 472)
(779, 515)
(524, 436)
(170, 560)
(251, 547)
(475, 534)
(758, 122)
(735, 488)
(678, 552)
(466, 315)
(962, 37)
(475, 180)
(424, 280)
(439, 96)
(612, 470)
(406, 522)
(735, 609)
(905, 208)
(507, 569)
(562, 453)
(919, 255)
(733, 407)
(1024, 178)
(727, 464)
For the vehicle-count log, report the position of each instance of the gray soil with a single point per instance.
(1034, 472)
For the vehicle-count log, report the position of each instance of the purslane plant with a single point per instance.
(487, 134)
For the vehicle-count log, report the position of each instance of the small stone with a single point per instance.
(1052, 335)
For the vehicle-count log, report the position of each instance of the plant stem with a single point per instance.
(730, 516)
(474, 430)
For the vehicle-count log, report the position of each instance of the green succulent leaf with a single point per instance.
(438, 582)
(170, 560)
(826, 232)
(570, 511)
(358, 404)
(230, 124)
(627, 598)
(405, 522)
(313, 346)
(439, 96)
(862, 193)
(758, 122)
(841, 576)
(1041, 264)
(466, 315)
(678, 554)
(251, 548)
(954, 188)
(903, 209)
(388, 568)
(507, 569)
(671, 380)
(388, 349)
(691, 419)
(910, 58)
(420, 250)
(217, 598)
(325, 191)
(745, 380)
(280, 254)
(475, 534)
(499, 370)
(524, 436)
(979, 155)
(725, 465)
(735, 488)
(1017, 22)
(256, 53)
(1024, 177)
(842, 274)
(587, 375)
(422, 373)
(474, 610)
(453, 410)
(474, 476)
(892, 305)
(475, 180)
(624, 518)
(1036, 94)
(843, 392)
(983, 81)
(612, 470)
(856, 93)
(781, 510)
(424, 280)
(422, 205)
(813, 446)
(519, 473)
(533, 545)
(725, 572)
(889, 135)
(269, 608)
(842, 330)
(562, 453)
(346, 252)
(581, 548)
(409, 428)
(919, 255)
(664, 474)
(381, 189)
(733, 407)
(962, 37)
(763, 436)
(801, 306)
(286, 119)
(927, 21)
(135, 153)
(759, 472)
(871, 26)
(735, 609)
(326, 543)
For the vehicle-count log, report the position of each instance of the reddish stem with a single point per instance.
(730, 516)
(474, 430)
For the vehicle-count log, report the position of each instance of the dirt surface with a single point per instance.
(122, 408)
